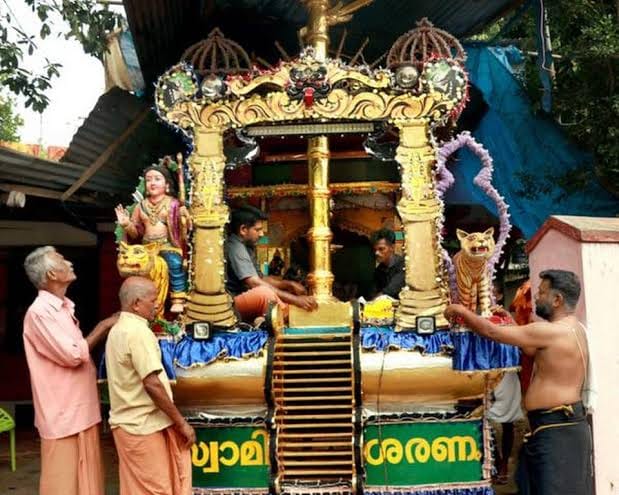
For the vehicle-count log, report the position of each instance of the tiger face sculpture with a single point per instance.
(134, 259)
(144, 261)
(471, 264)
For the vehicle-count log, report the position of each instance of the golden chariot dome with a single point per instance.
(423, 44)
(217, 55)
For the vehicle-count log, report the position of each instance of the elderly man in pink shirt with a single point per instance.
(64, 381)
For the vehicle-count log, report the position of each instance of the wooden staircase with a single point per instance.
(313, 393)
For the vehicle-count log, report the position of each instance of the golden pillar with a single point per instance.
(208, 299)
(426, 291)
(318, 28)
(321, 278)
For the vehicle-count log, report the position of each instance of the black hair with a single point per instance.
(386, 234)
(167, 175)
(245, 215)
(565, 283)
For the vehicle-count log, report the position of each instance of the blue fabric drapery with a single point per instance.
(473, 352)
(469, 351)
(167, 357)
(479, 490)
(385, 338)
(527, 150)
(167, 360)
(188, 352)
(235, 345)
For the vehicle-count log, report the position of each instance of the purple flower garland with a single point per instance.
(483, 180)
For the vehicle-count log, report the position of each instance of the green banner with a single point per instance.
(230, 457)
(419, 453)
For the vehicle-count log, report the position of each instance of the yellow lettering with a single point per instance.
(234, 457)
(443, 449)
(251, 453)
(392, 450)
(416, 449)
(202, 454)
(421, 452)
(199, 454)
(214, 456)
(367, 453)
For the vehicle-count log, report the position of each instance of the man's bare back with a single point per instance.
(560, 364)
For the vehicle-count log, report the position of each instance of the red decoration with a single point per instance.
(308, 97)
(501, 317)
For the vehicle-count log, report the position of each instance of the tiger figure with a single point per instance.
(471, 265)
(143, 260)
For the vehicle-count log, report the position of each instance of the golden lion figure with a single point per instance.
(471, 264)
(144, 260)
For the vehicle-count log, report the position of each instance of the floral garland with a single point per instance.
(483, 180)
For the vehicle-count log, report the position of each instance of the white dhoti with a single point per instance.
(506, 407)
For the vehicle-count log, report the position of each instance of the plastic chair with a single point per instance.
(8, 424)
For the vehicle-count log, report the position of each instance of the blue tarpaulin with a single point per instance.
(524, 147)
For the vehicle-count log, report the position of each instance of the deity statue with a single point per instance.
(161, 223)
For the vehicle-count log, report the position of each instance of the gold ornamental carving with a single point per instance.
(426, 292)
(278, 107)
(208, 299)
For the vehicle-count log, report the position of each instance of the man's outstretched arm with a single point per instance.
(305, 302)
(533, 335)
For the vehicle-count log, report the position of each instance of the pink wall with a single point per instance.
(558, 251)
(597, 265)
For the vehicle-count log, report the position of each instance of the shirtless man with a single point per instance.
(556, 456)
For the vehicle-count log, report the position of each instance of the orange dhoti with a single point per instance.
(72, 465)
(155, 464)
(255, 302)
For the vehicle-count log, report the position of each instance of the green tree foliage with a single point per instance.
(88, 23)
(585, 40)
(10, 122)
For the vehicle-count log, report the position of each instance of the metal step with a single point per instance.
(328, 473)
(287, 417)
(314, 380)
(317, 444)
(305, 372)
(344, 352)
(323, 362)
(312, 387)
(314, 435)
(321, 453)
(323, 406)
(295, 345)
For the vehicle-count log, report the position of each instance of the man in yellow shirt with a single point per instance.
(151, 435)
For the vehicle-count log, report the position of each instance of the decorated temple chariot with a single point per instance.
(360, 395)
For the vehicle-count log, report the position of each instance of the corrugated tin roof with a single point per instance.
(21, 169)
(115, 180)
(163, 29)
(114, 112)
(113, 115)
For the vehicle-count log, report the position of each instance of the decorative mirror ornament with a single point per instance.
(213, 88)
(446, 77)
(178, 84)
(406, 76)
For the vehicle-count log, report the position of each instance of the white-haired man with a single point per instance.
(152, 437)
(63, 379)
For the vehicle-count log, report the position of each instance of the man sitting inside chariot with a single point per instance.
(252, 291)
(389, 272)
